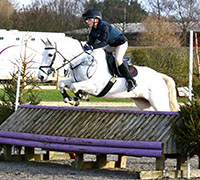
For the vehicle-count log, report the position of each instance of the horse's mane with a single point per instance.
(68, 43)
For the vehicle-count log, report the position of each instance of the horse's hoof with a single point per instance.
(86, 98)
(72, 101)
(76, 103)
(66, 100)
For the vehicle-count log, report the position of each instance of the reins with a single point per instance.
(66, 61)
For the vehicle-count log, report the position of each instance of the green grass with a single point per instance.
(54, 95)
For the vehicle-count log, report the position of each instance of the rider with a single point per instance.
(104, 35)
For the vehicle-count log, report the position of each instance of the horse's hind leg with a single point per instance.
(160, 101)
(142, 104)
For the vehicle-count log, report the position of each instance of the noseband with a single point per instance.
(51, 69)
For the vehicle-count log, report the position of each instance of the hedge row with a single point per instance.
(171, 61)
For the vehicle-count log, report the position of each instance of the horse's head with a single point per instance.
(47, 66)
(70, 54)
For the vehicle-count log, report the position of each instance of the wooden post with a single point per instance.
(29, 154)
(101, 161)
(160, 163)
(46, 156)
(197, 54)
(7, 152)
(121, 163)
(78, 164)
(182, 162)
(57, 79)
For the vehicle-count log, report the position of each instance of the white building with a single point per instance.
(31, 50)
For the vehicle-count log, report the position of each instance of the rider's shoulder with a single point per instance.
(104, 23)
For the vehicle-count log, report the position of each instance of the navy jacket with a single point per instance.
(105, 34)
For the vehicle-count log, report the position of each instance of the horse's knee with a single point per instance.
(61, 85)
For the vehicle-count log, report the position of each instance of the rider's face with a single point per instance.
(90, 22)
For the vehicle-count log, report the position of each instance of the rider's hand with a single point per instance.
(87, 47)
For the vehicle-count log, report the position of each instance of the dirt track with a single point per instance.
(62, 170)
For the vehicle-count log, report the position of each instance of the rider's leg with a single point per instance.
(120, 51)
(131, 83)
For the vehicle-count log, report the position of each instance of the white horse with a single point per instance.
(89, 73)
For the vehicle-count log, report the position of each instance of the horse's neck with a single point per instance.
(70, 47)
(100, 57)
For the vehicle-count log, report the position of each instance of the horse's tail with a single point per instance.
(174, 106)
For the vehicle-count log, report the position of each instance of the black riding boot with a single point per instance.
(131, 83)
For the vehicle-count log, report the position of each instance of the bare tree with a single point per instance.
(159, 32)
(184, 13)
(49, 15)
(6, 11)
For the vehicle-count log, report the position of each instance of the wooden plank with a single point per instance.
(103, 117)
(67, 123)
(142, 124)
(24, 119)
(112, 127)
(116, 127)
(172, 174)
(90, 125)
(134, 118)
(35, 118)
(53, 123)
(147, 128)
(60, 124)
(10, 124)
(125, 126)
(42, 122)
(76, 117)
(33, 121)
(82, 125)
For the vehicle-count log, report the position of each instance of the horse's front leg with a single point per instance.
(82, 95)
(67, 99)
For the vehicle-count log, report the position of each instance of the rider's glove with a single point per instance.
(87, 47)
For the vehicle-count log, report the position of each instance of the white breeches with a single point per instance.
(120, 52)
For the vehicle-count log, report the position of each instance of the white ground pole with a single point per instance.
(19, 73)
(190, 91)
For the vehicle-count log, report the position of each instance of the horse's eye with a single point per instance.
(50, 55)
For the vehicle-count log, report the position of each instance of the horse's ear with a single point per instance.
(43, 41)
(49, 42)
(55, 46)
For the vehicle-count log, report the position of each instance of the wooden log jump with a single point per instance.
(93, 131)
(82, 145)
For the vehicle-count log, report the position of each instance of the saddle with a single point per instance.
(112, 66)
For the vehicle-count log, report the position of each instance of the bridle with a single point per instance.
(65, 61)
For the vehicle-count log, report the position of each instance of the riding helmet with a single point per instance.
(92, 13)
